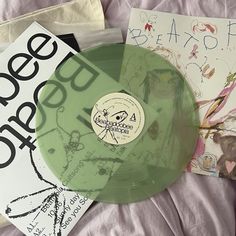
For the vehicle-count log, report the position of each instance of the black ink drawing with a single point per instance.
(105, 119)
(53, 193)
(71, 141)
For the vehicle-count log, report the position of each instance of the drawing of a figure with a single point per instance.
(105, 119)
(227, 161)
(164, 90)
(210, 126)
(71, 140)
(149, 22)
(54, 194)
(73, 145)
(217, 104)
(194, 52)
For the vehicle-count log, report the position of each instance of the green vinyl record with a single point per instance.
(121, 123)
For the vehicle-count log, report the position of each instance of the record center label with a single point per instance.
(117, 118)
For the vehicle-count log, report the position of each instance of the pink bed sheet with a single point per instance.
(194, 205)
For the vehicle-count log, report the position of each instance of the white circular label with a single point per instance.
(117, 118)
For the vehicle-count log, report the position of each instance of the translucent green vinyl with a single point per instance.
(117, 173)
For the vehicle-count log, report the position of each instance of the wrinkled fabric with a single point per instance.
(77, 15)
(117, 11)
(11, 9)
(195, 205)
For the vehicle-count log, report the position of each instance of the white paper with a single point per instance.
(3, 46)
(29, 190)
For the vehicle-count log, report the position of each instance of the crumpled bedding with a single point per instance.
(194, 205)
(59, 19)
